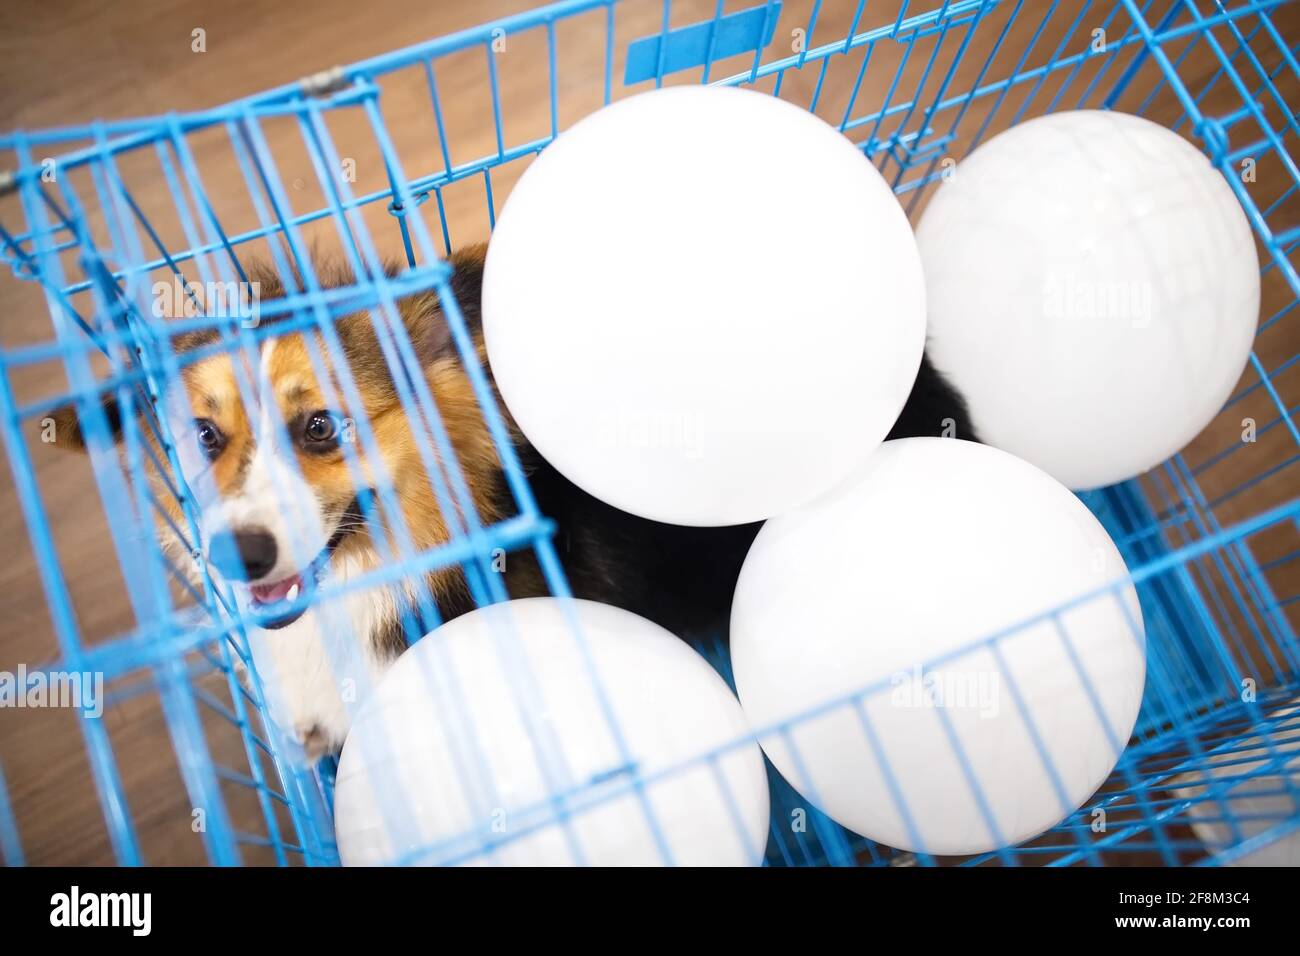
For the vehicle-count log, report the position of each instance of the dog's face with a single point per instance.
(280, 443)
(262, 450)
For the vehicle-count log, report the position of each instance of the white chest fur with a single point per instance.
(317, 671)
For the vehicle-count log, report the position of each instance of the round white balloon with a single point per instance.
(703, 305)
(869, 609)
(1093, 291)
(501, 738)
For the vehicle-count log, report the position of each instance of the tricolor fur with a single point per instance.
(277, 531)
(305, 497)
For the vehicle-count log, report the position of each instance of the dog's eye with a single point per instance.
(210, 438)
(322, 428)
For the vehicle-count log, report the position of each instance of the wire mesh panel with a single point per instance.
(177, 256)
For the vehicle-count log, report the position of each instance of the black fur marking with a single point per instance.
(934, 409)
(683, 578)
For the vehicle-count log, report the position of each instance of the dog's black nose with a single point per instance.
(242, 555)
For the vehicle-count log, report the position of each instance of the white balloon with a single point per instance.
(878, 587)
(1093, 291)
(703, 305)
(457, 756)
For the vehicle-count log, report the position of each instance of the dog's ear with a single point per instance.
(426, 327)
(67, 424)
(266, 280)
(424, 315)
(467, 283)
(67, 420)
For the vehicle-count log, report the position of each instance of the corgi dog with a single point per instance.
(281, 508)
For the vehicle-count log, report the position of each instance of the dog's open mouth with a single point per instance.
(280, 603)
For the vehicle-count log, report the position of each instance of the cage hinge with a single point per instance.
(325, 82)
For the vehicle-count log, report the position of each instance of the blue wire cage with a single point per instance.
(1211, 773)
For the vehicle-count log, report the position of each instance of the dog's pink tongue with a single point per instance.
(270, 593)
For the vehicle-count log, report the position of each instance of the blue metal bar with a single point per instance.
(1212, 615)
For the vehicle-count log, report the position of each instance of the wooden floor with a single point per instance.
(72, 62)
